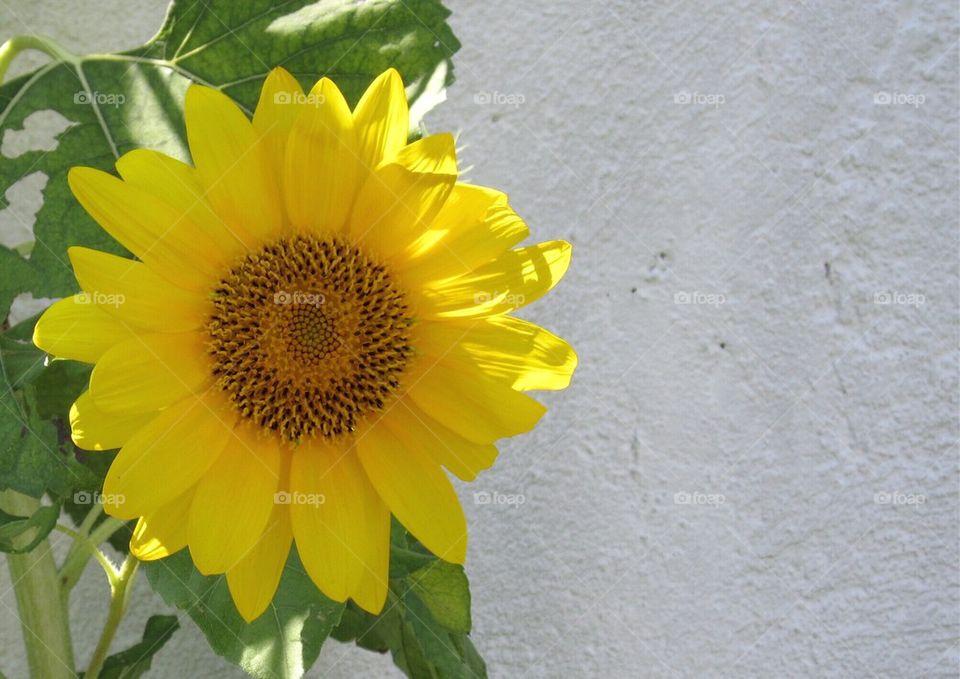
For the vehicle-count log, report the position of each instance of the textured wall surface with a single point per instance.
(755, 472)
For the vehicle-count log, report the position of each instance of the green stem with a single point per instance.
(43, 616)
(85, 545)
(108, 567)
(76, 552)
(90, 520)
(120, 590)
(14, 46)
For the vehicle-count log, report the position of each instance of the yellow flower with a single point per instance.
(314, 327)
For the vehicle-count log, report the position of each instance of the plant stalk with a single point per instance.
(20, 43)
(43, 616)
(120, 590)
(86, 544)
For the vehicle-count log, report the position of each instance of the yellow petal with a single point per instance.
(334, 514)
(163, 236)
(370, 592)
(518, 353)
(476, 407)
(382, 119)
(234, 500)
(321, 165)
(93, 429)
(75, 328)
(416, 490)
(281, 100)
(164, 532)
(474, 226)
(233, 163)
(253, 580)
(401, 198)
(178, 184)
(416, 429)
(151, 372)
(511, 281)
(168, 456)
(135, 294)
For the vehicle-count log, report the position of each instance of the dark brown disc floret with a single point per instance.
(308, 336)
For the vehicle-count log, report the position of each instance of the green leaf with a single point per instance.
(15, 529)
(445, 653)
(136, 660)
(118, 102)
(444, 590)
(15, 273)
(283, 642)
(426, 620)
(54, 388)
(20, 360)
(36, 453)
(57, 386)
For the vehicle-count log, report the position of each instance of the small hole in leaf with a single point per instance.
(21, 203)
(24, 306)
(40, 132)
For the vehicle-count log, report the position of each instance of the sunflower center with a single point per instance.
(308, 336)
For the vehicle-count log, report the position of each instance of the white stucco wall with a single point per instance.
(741, 157)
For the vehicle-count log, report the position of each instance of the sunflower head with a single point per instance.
(315, 329)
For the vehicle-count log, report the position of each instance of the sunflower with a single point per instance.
(315, 327)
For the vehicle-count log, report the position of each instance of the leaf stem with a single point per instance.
(43, 616)
(92, 550)
(20, 43)
(120, 590)
(87, 541)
